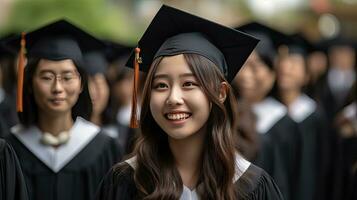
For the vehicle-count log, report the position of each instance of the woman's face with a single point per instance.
(177, 103)
(342, 57)
(291, 73)
(316, 64)
(56, 86)
(255, 79)
(123, 90)
(99, 92)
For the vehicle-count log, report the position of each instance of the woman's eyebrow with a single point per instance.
(46, 71)
(53, 72)
(166, 76)
(161, 76)
(68, 71)
(186, 75)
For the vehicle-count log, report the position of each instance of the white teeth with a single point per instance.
(178, 116)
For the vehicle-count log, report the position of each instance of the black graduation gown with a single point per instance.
(78, 179)
(124, 135)
(345, 174)
(328, 102)
(4, 130)
(8, 115)
(12, 182)
(344, 180)
(353, 189)
(119, 184)
(8, 111)
(314, 158)
(331, 106)
(280, 148)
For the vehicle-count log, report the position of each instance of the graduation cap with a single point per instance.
(270, 40)
(174, 32)
(98, 61)
(299, 44)
(55, 41)
(277, 37)
(95, 62)
(338, 41)
(115, 51)
(319, 46)
(5, 50)
(274, 41)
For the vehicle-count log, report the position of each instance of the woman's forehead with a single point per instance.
(56, 66)
(173, 65)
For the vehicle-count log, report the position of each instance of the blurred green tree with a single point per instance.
(102, 18)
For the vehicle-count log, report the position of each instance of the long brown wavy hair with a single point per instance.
(156, 176)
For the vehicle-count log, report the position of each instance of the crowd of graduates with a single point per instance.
(296, 111)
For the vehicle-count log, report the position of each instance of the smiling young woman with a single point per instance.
(186, 149)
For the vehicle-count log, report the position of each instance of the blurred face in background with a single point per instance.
(342, 57)
(123, 88)
(291, 73)
(99, 92)
(316, 64)
(255, 80)
(56, 86)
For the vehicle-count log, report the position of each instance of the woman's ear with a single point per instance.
(223, 92)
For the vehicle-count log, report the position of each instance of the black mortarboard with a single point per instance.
(319, 46)
(299, 44)
(277, 38)
(95, 62)
(57, 41)
(340, 41)
(4, 50)
(296, 44)
(115, 51)
(269, 41)
(98, 61)
(173, 32)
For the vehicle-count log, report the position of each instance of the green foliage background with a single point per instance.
(102, 18)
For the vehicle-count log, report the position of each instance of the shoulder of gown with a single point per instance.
(256, 184)
(78, 179)
(118, 184)
(12, 183)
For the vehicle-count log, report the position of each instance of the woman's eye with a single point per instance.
(189, 84)
(68, 78)
(160, 86)
(47, 78)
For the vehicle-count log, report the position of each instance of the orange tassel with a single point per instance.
(134, 120)
(20, 75)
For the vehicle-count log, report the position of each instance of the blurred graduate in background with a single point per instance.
(279, 140)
